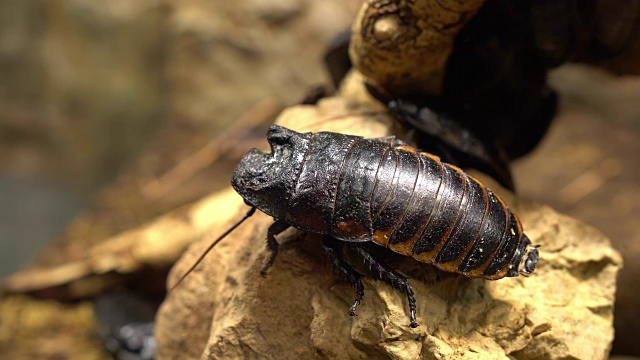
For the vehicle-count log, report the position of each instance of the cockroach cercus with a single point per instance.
(354, 190)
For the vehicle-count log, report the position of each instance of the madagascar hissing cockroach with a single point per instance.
(355, 190)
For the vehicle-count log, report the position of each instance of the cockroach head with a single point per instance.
(265, 180)
(526, 258)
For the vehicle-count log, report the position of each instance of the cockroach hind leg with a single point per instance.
(412, 317)
(333, 249)
(359, 295)
(353, 308)
(398, 281)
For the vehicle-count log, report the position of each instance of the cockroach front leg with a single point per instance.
(272, 244)
(333, 250)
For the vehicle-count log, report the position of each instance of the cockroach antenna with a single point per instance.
(251, 211)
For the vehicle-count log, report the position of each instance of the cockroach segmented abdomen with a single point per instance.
(438, 214)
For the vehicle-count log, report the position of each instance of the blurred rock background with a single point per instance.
(588, 167)
(95, 93)
(86, 86)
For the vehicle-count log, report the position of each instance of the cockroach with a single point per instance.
(436, 133)
(354, 191)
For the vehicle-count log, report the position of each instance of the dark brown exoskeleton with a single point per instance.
(356, 190)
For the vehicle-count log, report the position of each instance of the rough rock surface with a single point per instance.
(225, 309)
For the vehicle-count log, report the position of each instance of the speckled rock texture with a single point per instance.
(404, 45)
(226, 310)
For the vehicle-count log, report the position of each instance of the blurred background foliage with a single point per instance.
(100, 99)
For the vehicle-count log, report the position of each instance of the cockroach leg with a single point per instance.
(332, 248)
(391, 277)
(272, 244)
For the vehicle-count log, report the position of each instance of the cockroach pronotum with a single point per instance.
(356, 190)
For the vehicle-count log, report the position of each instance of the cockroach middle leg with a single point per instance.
(391, 277)
(272, 244)
(333, 249)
